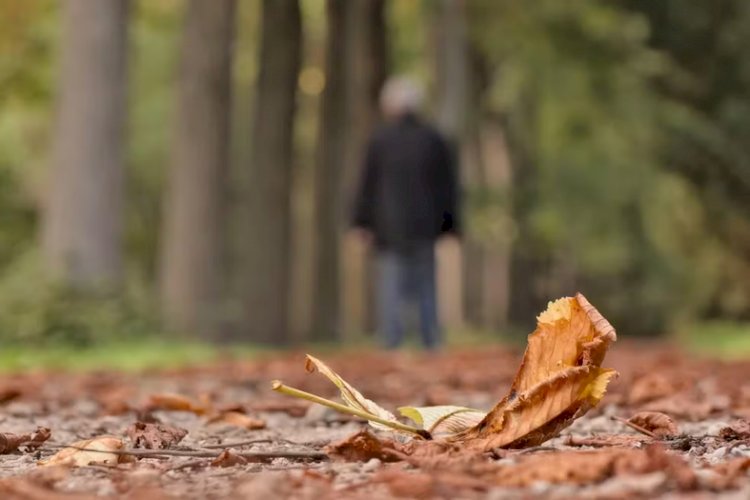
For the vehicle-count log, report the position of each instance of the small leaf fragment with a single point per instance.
(659, 423)
(238, 419)
(228, 458)
(350, 395)
(442, 421)
(156, 436)
(364, 446)
(176, 402)
(100, 450)
(11, 442)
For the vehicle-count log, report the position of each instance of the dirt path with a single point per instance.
(598, 457)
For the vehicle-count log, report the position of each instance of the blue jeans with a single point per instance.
(404, 277)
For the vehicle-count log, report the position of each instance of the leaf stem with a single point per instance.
(635, 427)
(297, 393)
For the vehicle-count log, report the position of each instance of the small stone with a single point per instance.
(371, 465)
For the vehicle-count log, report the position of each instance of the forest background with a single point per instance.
(183, 169)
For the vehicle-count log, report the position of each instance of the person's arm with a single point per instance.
(447, 188)
(364, 204)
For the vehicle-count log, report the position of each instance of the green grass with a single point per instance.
(723, 339)
(135, 355)
(730, 340)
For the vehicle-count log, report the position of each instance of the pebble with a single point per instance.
(371, 465)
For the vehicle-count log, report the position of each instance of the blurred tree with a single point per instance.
(453, 80)
(192, 236)
(708, 123)
(82, 225)
(331, 156)
(366, 63)
(265, 272)
(574, 86)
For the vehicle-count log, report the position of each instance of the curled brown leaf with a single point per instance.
(363, 446)
(11, 442)
(238, 419)
(660, 424)
(155, 435)
(227, 458)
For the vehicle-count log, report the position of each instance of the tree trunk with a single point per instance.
(192, 245)
(452, 69)
(82, 227)
(366, 66)
(266, 274)
(331, 157)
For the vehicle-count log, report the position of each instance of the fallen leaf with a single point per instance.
(291, 408)
(651, 386)
(27, 488)
(736, 431)
(9, 393)
(227, 458)
(441, 421)
(446, 484)
(610, 440)
(559, 380)
(403, 484)
(155, 436)
(729, 473)
(589, 467)
(100, 450)
(238, 419)
(350, 395)
(11, 442)
(176, 402)
(659, 423)
(363, 446)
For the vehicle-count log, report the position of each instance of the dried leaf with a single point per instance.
(155, 436)
(350, 395)
(560, 378)
(609, 440)
(736, 431)
(176, 402)
(28, 488)
(651, 386)
(227, 458)
(589, 467)
(291, 408)
(238, 419)
(100, 450)
(363, 446)
(729, 473)
(9, 393)
(443, 420)
(660, 424)
(11, 442)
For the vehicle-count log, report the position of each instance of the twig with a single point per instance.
(534, 449)
(262, 455)
(220, 446)
(189, 465)
(635, 427)
(297, 393)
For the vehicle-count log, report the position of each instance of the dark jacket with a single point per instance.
(409, 192)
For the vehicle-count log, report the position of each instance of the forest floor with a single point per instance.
(282, 447)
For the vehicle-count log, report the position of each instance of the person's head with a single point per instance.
(400, 96)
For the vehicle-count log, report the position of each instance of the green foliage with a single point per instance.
(155, 39)
(37, 312)
(576, 82)
(628, 123)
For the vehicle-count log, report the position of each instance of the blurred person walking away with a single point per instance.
(408, 198)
